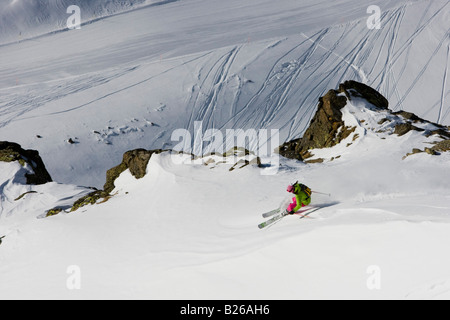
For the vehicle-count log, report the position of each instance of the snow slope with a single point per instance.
(19, 199)
(187, 231)
(259, 64)
(25, 19)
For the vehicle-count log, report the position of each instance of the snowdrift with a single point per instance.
(20, 200)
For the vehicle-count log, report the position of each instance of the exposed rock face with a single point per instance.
(327, 128)
(10, 152)
(135, 160)
(356, 89)
(325, 124)
(404, 128)
(442, 146)
(91, 198)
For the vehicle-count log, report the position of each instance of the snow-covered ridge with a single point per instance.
(393, 132)
(226, 66)
(23, 19)
(20, 200)
(184, 231)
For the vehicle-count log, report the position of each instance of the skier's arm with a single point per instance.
(302, 199)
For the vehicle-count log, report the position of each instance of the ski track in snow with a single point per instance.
(195, 251)
(268, 84)
(18, 105)
(104, 12)
(264, 107)
(276, 99)
(444, 85)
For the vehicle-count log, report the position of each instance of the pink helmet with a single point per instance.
(291, 188)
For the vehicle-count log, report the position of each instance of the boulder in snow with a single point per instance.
(10, 152)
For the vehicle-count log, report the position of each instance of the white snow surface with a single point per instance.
(257, 64)
(186, 231)
(130, 77)
(25, 19)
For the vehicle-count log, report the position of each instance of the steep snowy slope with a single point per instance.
(130, 80)
(189, 231)
(22, 201)
(139, 78)
(24, 19)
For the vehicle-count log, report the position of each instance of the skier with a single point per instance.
(302, 197)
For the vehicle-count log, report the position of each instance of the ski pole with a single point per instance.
(325, 194)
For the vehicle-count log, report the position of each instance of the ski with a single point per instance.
(304, 213)
(271, 221)
(271, 213)
(277, 217)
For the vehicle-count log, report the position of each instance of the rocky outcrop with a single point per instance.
(135, 160)
(91, 198)
(436, 149)
(323, 130)
(10, 152)
(442, 146)
(327, 127)
(356, 89)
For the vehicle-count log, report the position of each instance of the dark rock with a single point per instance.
(135, 160)
(244, 162)
(53, 212)
(382, 121)
(407, 115)
(91, 198)
(444, 134)
(288, 149)
(324, 125)
(442, 146)
(364, 91)
(403, 128)
(414, 151)
(10, 152)
(327, 127)
(24, 194)
(320, 160)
